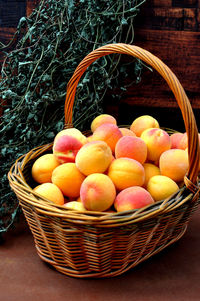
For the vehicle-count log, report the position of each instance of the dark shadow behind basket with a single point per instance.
(100, 244)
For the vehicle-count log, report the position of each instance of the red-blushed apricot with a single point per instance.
(161, 187)
(174, 164)
(101, 119)
(131, 147)
(74, 133)
(51, 192)
(108, 133)
(183, 142)
(75, 205)
(157, 141)
(43, 167)
(150, 170)
(126, 172)
(94, 157)
(175, 139)
(68, 178)
(67, 143)
(66, 148)
(97, 192)
(134, 197)
(127, 132)
(142, 123)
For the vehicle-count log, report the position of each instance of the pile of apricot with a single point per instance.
(114, 169)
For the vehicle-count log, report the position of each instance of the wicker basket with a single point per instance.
(100, 244)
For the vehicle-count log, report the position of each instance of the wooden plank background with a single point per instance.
(169, 29)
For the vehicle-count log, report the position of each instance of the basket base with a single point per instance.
(105, 273)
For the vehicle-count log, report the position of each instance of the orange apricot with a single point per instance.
(68, 178)
(126, 172)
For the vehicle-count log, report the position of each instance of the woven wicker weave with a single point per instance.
(100, 244)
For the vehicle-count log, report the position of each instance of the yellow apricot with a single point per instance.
(51, 192)
(161, 187)
(43, 167)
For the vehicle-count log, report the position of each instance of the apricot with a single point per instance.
(150, 170)
(68, 178)
(74, 133)
(175, 139)
(89, 138)
(183, 144)
(50, 192)
(161, 187)
(75, 205)
(134, 197)
(67, 143)
(174, 164)
(101, 119)
(43, 167)
(97, 192)
(126, 172)
(131, 147)
(109, 133)
(142, 123)
(127, 132)
(157, 141)
(94, 157)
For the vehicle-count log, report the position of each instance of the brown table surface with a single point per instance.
(173, 274)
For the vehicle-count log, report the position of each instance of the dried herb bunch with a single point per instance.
(51, 43)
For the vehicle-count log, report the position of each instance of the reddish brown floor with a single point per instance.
(173, 274)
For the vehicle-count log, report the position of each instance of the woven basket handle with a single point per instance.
(172, 81)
